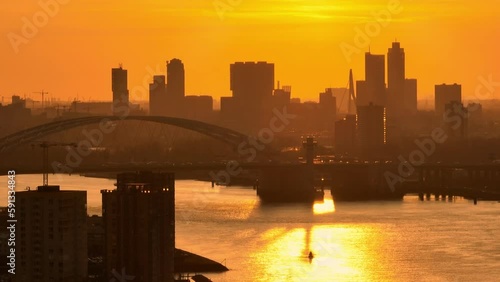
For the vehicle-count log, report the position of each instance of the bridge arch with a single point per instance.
(31, 134)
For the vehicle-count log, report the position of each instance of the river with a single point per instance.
(404, 240)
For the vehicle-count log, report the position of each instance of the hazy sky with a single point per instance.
(75, 47)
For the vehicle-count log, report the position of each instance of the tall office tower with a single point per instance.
(52, 236)
(345, 135)
(375, 79)
(139, 224)
(444, 94)
(120, 91)
(362, 94)
(410, 96)
(157, 96)
(175, 79)
(395, 80)
(328, 110)
(252, 82)
(371, 127)
(456, 120)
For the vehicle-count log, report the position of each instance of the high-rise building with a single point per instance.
(52, 235)
(328, 109)
(445, 94)
(375, 79)
(175, 79)
(157, 96)
(410, 96)
(362, 96)
(371, 127)
(345, 135)
(252, 85)
(120, 91)
(252, 82)
(139, 223)
(395, 79)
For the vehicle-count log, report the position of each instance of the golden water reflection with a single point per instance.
(327, 206)
(341, 253)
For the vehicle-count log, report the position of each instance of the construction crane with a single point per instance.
(45, 157)
(43, 93)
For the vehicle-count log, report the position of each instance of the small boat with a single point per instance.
(311, 256)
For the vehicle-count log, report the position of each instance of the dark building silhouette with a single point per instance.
(345, 135)
(252, 82)
(282, 96)
(456, 120)
(52, 235)
(410, 97)
(444, 94)
(157, 96)
(252, 86)
(120, 91)
(175, 79)
(328, 109)
(15, 116)
(362, 96)
(139, 223)
(375, 79)
(199, 107)
(395, 79)
(371, 128)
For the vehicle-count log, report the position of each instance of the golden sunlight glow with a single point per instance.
(327, 206)
(85, 39)
(341, 253)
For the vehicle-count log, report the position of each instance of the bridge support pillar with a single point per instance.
(421, 196)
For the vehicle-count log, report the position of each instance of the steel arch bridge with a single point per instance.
(31, 134)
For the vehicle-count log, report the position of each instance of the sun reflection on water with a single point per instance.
(341, 253)
(327, 206)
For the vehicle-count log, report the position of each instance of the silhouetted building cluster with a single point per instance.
(400, 95)
(167, 96)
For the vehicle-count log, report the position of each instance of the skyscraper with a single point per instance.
(375, 79)
(371, 127)
(157, 96)
(345, 135)
(396, 79)
(410, 96)
(175, 79)
(52, 235)
(139, 223)
(252, 82)
(444, 94)
(120, 91)
(328, 109)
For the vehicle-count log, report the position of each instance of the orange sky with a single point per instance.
(72, 54)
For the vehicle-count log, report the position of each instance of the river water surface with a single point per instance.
(404, 240)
